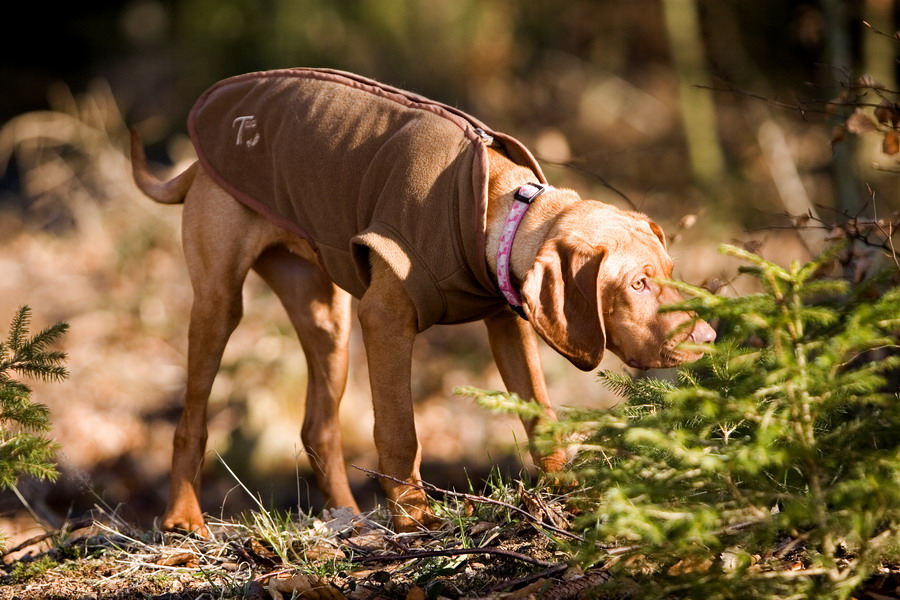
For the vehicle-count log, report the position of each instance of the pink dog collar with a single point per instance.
(525, 195)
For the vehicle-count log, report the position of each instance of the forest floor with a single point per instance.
(513, 545)
(488, 548)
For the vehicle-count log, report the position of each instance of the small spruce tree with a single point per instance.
(23, 448)
(769, 468)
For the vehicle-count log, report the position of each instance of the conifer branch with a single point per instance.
(785, 429)
(22, 451)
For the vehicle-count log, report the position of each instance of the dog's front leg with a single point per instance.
(515, 349)
(388, 321)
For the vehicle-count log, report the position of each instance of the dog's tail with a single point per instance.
(165, 192)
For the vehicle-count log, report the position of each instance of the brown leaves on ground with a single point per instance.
(308, 587)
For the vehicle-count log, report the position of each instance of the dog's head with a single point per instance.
(591, 288)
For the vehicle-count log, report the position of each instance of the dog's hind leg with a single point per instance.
(320, 312)
(218, 259)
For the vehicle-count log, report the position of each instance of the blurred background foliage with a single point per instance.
(709, 115)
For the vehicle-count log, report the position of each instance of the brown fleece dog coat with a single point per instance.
(354, 167)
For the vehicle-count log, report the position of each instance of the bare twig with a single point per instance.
(887, 234)
(800, 107)
(894, 36)
(784, 549)
(855, 228)
(571, 164)
(805, 107)
(474, 498)
(457, 552)
(50, 534)
(550, 572)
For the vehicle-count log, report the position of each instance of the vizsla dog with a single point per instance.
(330, 185)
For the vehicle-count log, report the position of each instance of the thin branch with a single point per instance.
(457, 552)
(571, 164)
(855, 228)
(473, 498)
(798, 107)
(66, 529)
(804, 107)
(894, 36)
(550, 572)
(889, 234)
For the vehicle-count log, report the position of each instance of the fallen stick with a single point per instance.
(458, 552)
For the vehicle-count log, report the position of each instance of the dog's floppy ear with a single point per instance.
(658, 232)
(656, 229)
(561, 296)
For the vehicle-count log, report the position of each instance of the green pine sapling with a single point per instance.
(23, 448)
(769, 468)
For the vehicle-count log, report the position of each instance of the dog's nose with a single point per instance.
(703, 333)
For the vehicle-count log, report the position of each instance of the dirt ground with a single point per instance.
(334, 557)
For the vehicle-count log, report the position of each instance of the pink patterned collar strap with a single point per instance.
(524, 196)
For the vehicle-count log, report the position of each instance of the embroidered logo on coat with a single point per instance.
(246, 131)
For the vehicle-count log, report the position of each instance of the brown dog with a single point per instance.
(330, 185)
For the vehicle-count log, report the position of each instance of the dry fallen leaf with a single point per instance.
(837, 233)
(687, 221)
(481, 527)
(860, 123)
(800, 220)
(690, 565)
(469, 507)
(534, 589)
(323, 551)
(178, 559)
(415, 593)
(891, 143)
(308, 587)
(541, 510)
(887, 113)
(867, 81)
(373, 540)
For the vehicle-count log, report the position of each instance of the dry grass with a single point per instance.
(485, 549)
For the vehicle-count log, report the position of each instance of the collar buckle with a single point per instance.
(529, 192)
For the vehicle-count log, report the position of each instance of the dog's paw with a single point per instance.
(193, 525)
(553, 462)
(422, 521)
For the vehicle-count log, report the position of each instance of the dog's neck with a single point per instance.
(505, 178)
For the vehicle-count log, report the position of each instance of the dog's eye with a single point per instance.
(640, 285)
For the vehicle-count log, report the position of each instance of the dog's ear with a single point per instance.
(562, 299)
(658, 232)
(656, 229)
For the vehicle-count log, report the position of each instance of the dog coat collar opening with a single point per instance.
(524, 196)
